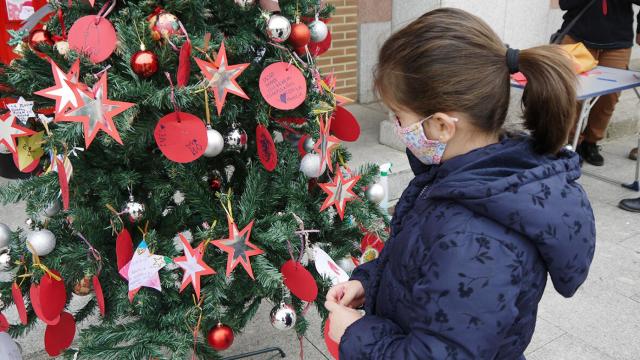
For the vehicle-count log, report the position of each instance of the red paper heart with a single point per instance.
(18, 299)
(299, 281)
(344, 125)
(124, 248)
(266, 148)
(182, 137)
(55, 294)
(34, 295)
(332, 346)
(4, 324)
(97, 287)
(57, 338)
(94, 37)
(319, 48)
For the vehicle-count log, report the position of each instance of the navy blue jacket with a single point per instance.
(472, 241)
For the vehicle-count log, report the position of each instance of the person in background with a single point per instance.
(488, 215)
(606, 29)
(632, 205)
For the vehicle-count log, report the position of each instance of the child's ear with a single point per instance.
(441, 127)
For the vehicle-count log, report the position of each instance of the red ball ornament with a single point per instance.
(144, 63)
(300, 35)
(38, 37)
(216, 184)
(220, 337)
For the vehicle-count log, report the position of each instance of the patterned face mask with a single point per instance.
(429, 152)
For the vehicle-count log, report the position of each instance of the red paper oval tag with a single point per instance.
(55, 294)
(124, 248)
(4, 324)
(182, 137)
(319, 48)
(18, 299)
(266, 148)
(94, 37)
(344, 125)
(299, 280)
(34, 295)
(97, 287)
(332, 346)
(283, 86)
(57, 338)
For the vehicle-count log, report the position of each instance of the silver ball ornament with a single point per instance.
(5, 260)
(319, 31)
(134, 209)
(283, 317)
(4, 149)
(236, 140)
(308, 144)
(42, 242)
(5, 235)
(244, 3)
(375, 193)
(215, 143)
(62, 47)
(278, 28)
(346, 264)
(53, 209)
(310, 166)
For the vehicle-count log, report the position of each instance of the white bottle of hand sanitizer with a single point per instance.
(385, 169)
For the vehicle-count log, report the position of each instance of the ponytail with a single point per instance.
(549, 99)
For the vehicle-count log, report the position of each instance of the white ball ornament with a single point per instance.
(278, 28)
(5, 235)
(310, 166)
(283, 317)
(42, 242)
(375, 193)
(215, 143)
(319, 31)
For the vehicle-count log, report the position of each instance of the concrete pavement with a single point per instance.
(602, 321)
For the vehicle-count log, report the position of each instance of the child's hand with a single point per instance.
(340, 318)
(350, 294)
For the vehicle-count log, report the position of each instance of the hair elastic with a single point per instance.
(513, 60)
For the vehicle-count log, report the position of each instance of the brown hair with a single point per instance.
(449, 60)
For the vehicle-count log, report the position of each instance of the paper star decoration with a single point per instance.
(30, 150)
(95, 111)
(23, 109)
(239, 247)
(193, 265)
(326, 144)
(142, 270)
(62, 92)
(9, 131)
(221, 77)
(339, 191)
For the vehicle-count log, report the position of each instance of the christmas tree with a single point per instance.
(158, 186)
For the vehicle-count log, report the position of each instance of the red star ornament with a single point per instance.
(326, 144)
(239, 247)
(95, 111)
(339, 191)
(193, 265)
(62, 92)
(10, 131)
(221, 77)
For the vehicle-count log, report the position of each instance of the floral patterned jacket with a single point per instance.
(472, 241)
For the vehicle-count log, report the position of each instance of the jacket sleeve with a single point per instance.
(461, 307)
(572, 4)
(364, 272)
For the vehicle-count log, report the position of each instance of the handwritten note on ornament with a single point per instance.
(283, 86)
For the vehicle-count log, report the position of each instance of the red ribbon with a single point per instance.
(605, 7)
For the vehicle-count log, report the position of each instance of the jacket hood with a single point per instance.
(534, 195)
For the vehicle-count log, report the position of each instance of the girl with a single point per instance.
(486, 217)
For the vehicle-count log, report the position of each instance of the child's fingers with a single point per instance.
(347, 298)
(332, 306)
(335, 293)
